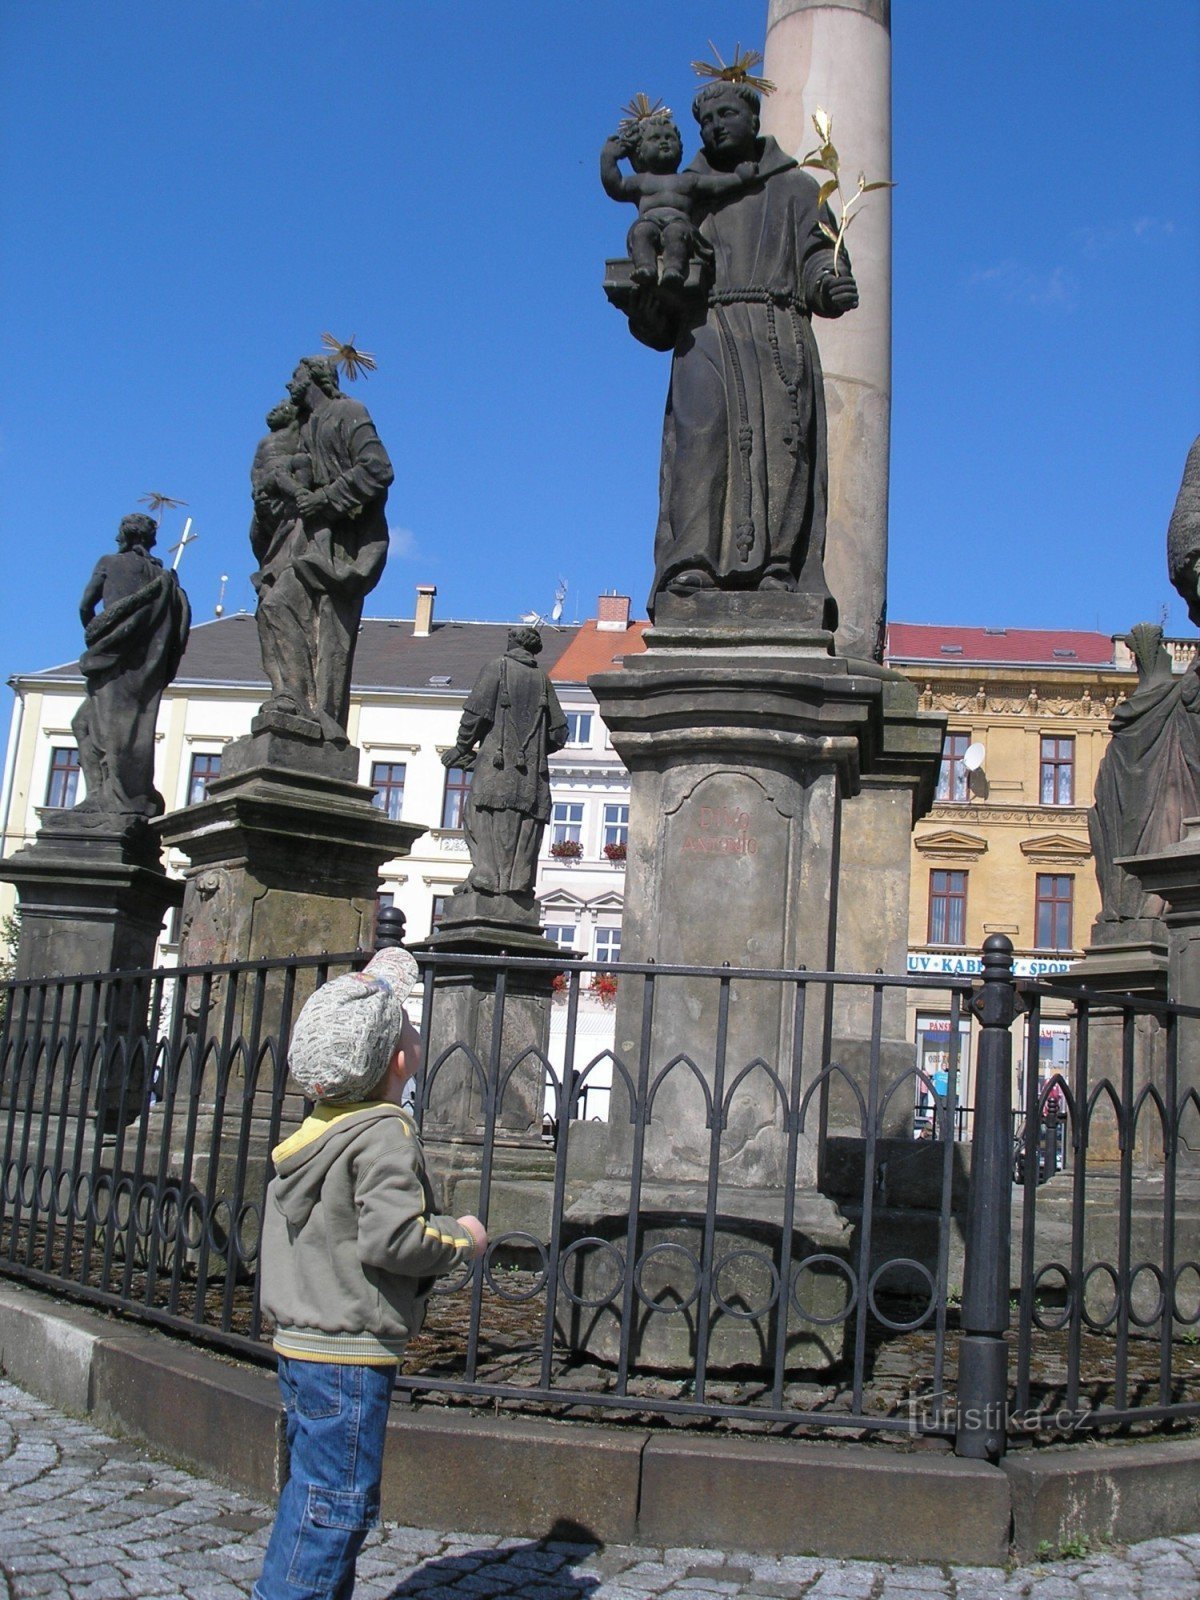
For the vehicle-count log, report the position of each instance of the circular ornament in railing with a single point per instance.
(46, 1188)
(923, 1271)
(1146, 1319)
(144, 1209)
(772, 1299)
(81, 1198)
(453, 1282)
(122, 1206)
(244, 1248)
(220, 1225)
(602, 1246)
(100, 1201)
(656, 1251)
(502, 1292)
(1098, 1324)
(823, 1258)
(12, 1181)
(1040, 1320)
(193, 1219)
(63, 1187)
(1188, 1318)
(166, 1215)
(28, 1183)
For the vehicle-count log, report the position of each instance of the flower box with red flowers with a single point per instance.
(615, 852)
(566, 850)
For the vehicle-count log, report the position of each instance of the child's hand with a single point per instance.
(477, 1231)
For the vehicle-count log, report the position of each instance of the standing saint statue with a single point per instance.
(134, 646)
(743, 482)
(320, 480)
(510, 724)
(1148, 782)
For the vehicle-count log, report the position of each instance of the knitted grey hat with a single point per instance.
(348, 1030)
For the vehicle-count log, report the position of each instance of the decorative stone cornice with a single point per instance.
(951, 845)
(1024, 816)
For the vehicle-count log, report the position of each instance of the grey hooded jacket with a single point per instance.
(351, 1240)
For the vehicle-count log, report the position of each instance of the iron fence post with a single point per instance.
(983, 1351)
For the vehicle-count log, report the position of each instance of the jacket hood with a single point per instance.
(304, 1158)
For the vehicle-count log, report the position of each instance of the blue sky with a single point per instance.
(190, 195)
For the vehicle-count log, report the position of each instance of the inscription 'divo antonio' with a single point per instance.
(723, 831)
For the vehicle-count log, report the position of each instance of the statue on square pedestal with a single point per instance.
(743, 482)
(136, 620)
(511, 723)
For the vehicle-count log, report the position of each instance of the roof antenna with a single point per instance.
(186, 538)
(219, 608)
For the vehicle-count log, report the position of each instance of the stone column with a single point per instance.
(837, 54)
(743, 735)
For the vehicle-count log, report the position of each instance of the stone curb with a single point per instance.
(519, 1476)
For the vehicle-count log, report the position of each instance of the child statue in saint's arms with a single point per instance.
(670, 203)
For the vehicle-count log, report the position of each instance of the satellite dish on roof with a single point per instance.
(973, 757)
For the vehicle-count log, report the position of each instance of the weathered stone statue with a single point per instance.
(1149, 780)
(743, 478)
(134, 646)
(511, 722)
(320, 480)
(1183, 536)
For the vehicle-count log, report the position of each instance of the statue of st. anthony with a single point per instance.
(320, 480)
(134, 646)
(510, 724)
(743, 479)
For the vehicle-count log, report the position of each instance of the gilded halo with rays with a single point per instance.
(737, 71)
(158, 503)
(639, 109)
(348, 357)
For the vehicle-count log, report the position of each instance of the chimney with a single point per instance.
(612, 613)
(423, 621)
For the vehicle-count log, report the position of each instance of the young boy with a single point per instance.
(350, 1248)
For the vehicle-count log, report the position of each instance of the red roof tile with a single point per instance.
(595, 650)
(1051, 647)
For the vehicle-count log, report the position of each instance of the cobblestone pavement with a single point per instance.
(91, 1518)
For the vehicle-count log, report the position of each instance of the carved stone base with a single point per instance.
(93, 894)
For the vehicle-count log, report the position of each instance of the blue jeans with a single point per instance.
(336, 1419)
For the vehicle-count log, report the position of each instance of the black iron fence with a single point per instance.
(752, 1234)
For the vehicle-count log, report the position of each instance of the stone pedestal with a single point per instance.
(93, 895)
(1174, 875)
(285, 853)
(486, 1069)
(1124, 958)
(285, 856)
(744, 737)
(873, 906)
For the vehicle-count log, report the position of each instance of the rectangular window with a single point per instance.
(952, 778)
(62, 789)
(579, 727)
(566, 822)
(1055, 897)
(458, 787)
(387, 780)
(440, 902)
(607, 945)
(616, 824)
(1057, 786)
(935, 1042)
(203, 770)
(561, 933)
(947, 907)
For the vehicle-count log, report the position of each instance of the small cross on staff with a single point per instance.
(186, 538)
